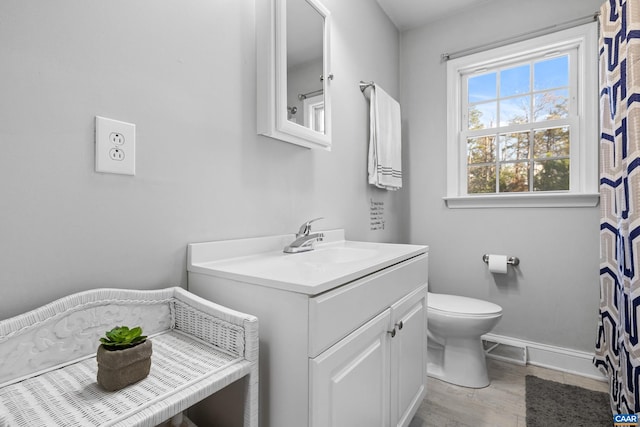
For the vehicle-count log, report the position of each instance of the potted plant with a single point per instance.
(124, 357)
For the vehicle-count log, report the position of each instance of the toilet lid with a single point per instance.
(461, 305)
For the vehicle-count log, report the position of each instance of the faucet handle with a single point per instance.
(305, 228)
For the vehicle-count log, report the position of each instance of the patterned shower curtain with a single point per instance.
(617, 347)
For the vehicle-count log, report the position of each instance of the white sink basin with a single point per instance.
(333, 254)
(261, 261)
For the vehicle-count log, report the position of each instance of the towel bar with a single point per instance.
(364, 85)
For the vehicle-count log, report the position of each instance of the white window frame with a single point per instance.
(583, 191)
(310, 106)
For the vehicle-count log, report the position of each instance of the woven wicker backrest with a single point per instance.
(69, 329)
(208, 328)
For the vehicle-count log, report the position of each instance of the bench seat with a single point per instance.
(198, 348)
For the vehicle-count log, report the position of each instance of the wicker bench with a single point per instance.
(48, 367)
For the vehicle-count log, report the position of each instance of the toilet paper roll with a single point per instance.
(498, 264)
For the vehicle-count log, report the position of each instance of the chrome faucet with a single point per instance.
(304, 240)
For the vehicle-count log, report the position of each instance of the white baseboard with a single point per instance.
(547, 356)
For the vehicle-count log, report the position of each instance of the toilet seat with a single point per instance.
(454, 305)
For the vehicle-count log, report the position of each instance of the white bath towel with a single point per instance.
(385, 144)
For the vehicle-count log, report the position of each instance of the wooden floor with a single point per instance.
(502, 404)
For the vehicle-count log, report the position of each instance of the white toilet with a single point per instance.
(455, 325)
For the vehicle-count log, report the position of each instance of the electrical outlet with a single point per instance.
(115, 146)
(116, 154)
(116, 138)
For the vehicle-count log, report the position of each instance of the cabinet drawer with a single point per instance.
(334, 314)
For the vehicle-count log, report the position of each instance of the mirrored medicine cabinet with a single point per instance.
(294, 74)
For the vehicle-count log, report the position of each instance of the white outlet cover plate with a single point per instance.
(115, 146)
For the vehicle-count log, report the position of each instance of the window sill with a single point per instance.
(539, 200)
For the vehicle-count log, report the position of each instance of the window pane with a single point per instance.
(482, 87)
(551, 175)
(551, 73)
(483, 116)
(318, 118)
(481, 150)
(551, 105)
(514, 146)
(514, 81)
(481, 179)
(552, 142)
(515, 110)
(514, 177)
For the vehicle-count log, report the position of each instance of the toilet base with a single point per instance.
(460, 362)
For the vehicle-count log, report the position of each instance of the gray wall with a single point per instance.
(184, 72)
(553, 296)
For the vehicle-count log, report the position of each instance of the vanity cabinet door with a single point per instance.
(408, 356)
(349, 384)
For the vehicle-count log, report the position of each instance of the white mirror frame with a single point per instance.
(271, 55)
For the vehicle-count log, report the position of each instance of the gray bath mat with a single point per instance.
(551, 404)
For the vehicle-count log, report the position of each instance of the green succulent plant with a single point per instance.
(122, 337)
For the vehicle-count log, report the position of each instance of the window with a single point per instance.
(314, 113)
(522, 126)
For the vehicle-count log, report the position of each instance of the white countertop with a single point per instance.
(332, 263)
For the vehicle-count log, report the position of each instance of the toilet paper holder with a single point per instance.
(513, 260)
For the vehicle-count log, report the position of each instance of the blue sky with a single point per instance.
(544, 75)
(547, 74)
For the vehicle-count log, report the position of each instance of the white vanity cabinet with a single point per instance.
(342, 339)
(376, 375)
(408, 356)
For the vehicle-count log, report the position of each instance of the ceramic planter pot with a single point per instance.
(119, 368)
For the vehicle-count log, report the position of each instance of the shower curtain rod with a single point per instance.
(525, 36)
(303, 96)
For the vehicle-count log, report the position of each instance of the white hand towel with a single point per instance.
(385, 144)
